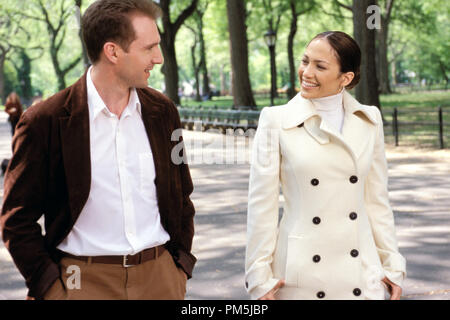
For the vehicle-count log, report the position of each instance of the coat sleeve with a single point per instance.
(380, 213)
(263, 207)
(23, 205)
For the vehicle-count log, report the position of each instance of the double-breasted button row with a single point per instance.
(321, 294)
(352, 216)
(315, 181)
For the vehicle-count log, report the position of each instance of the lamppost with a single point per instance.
(271, 37)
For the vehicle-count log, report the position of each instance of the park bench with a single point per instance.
(219, 119)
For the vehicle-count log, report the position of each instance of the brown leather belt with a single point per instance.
(125, 261)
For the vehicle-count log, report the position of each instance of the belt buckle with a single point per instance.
(124, 262)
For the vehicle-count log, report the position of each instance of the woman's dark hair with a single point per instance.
(347, 51)
(109, 20)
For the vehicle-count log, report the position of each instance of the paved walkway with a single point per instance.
(419, 187)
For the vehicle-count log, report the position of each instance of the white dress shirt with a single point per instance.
(331, 110)
(121, 215)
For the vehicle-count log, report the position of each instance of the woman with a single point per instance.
(336, 238)
(13, 107)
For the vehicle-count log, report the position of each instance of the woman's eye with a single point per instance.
(304, 61)
(320, 67)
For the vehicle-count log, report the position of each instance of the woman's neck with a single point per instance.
(329, 103)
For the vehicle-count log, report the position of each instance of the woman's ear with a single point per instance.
(346, 78)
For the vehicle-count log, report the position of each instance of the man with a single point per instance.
(95, 160)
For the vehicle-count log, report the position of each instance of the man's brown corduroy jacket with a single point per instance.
(50, 174)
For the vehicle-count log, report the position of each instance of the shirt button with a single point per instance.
(357, 292)
(320, 294)
(353, 215)
(314, 182)
(354, 253)
(316, 258)
(353, 179)
(316, 220)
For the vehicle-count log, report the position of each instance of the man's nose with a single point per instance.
(158, 57)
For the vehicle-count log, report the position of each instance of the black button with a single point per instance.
(316, 220)
(246, 284)
(357, 292)
(320, 294)
(353, 179)
(314, 182)
(353, 215)
(354, 253)
(316, 258)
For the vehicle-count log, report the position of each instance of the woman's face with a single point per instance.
(319, 71)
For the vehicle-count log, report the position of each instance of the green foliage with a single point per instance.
(418, 43)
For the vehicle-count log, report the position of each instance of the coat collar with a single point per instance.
(357, 117)
(298, 110)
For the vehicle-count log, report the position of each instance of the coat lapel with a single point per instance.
(358, 121)
(357, 118)
(300, 111)
(75, 144)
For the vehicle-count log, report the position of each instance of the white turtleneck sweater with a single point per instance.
(331, 110)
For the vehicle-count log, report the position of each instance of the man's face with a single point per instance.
(143, 53)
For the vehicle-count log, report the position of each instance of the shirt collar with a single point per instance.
(96, 104)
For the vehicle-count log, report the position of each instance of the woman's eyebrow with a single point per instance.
(315, 60)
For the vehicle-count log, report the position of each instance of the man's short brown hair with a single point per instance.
(109, 20)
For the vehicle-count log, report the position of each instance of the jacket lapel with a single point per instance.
(157, 131)
(75, 145)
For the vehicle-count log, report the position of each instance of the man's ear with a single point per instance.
(347, 78)
(110, 50)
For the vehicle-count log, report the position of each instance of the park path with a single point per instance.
(419, 192)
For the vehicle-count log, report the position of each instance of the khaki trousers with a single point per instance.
(157, 279)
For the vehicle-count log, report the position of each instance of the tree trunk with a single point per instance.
(204, 67)
(367, 89)
(86, 61)
(196, 72)
(170, 69)
(382, 50)
(57, 68)
(2, 78)
(241, 87)
(290, 49)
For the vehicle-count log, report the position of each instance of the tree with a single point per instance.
(170, 68)
(241, 87)
(382, 48)
(86, 62)
(296, 11)
(197, 30)
(54, 17)
(366, 91)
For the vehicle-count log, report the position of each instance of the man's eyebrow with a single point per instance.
(151, 45)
